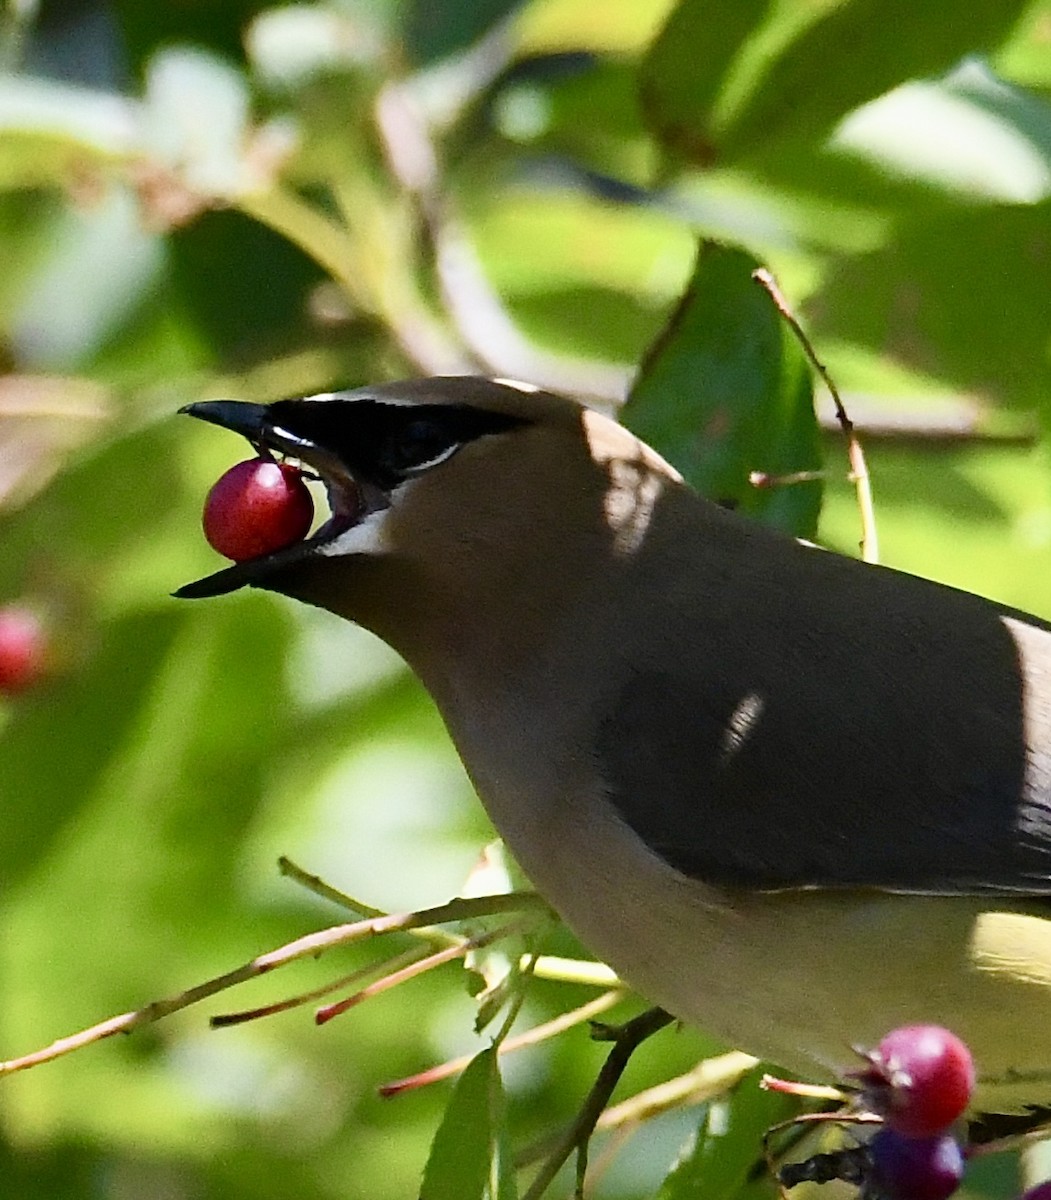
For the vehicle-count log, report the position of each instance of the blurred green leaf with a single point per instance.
(82, 523)
(686, 68)
(463, 1163)
(720, 1160)
(970, 133)
(91, 718)
(792, 89)
(725, 391)
(959, 294)
(577, 110)
(597, 322)
(1024, 58)
(850, 54)
(51, 132)
(434, 31)
(245, 287)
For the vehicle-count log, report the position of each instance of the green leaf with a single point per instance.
(467, 1154)
(50, 130)
(853, 53)
(959, 294)
(686, 67)
(719, 1159)
(60, 742)
(434, 31)
(969, 133)
(725, 391)
(726, 80)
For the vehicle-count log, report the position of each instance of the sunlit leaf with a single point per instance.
(725, 391)
(969, 133)
(802, 72)
(852, 53)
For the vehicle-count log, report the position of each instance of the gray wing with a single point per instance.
(814, 722)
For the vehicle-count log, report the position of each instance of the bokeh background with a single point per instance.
(224, 198)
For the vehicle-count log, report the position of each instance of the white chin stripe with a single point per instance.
(368, 536)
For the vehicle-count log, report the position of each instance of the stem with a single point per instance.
(310, 946)
(626, 1039)
(859, 471)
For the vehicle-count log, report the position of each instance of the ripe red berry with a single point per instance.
(23, 649)
(257, 507)
(919, 1078)
(909, 1168)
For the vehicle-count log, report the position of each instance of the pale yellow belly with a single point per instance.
(800, 978)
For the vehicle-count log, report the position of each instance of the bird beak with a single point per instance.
(254, 422)
(249, 420)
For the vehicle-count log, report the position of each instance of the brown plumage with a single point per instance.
(793, 798)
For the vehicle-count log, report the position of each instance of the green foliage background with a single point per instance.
(221, 197)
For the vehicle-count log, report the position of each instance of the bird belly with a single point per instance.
(800, 978)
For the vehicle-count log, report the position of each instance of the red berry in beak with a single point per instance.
(257, 507)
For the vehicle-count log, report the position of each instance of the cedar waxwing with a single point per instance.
(793, 798)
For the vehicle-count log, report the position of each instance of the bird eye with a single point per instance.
(420, 443)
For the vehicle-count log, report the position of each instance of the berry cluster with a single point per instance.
(919, 1079)
(918, 1082)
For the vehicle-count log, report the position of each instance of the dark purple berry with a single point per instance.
(1039, 1191)
(909, 1168)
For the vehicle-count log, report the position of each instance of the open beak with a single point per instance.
(349, 500)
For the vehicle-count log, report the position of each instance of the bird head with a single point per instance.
(455, 501)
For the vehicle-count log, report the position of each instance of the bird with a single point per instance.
(795, 799)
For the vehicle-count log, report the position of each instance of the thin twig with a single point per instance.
(626, 1039)
(858, 468)
(710, 1078)
(395, 963)
(310, 946)
(414, 969)
(800, 1125)
(319, 887)
(315, 884)
(811, 1091)
(576, 970)
(529, 1037)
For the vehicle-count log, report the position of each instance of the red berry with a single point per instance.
(920, 1079)
(909, 1168)
(1039, 1191)
(23, 649)
(257, 507)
